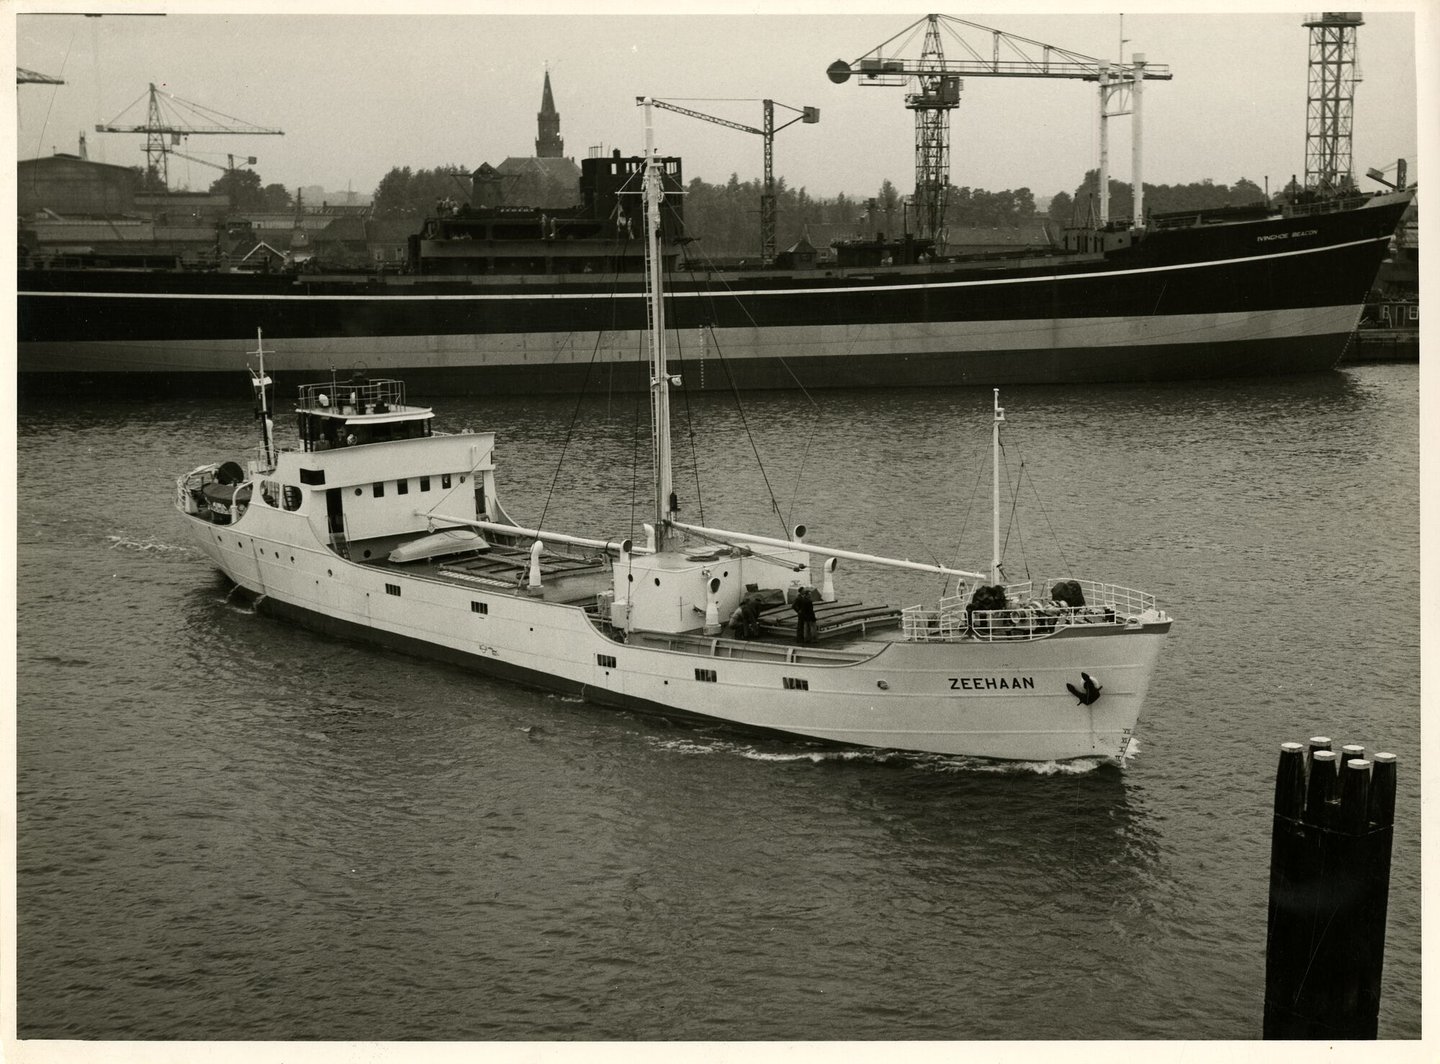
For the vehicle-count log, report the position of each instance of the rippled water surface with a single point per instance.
(230, 828)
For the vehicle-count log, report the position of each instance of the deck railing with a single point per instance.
(354, 396)
(1030, 618)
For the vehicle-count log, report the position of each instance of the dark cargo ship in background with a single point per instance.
(508, 299)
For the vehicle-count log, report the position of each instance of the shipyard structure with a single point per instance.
(533, 281)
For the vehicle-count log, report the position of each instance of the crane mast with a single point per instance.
(1330, 100)
(937, 82)
(938, 95)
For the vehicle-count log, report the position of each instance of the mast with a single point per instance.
(1137, 142)
(660, 379)
(262, 383)
(995, 491)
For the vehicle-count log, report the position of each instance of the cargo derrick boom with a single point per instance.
(938, 83)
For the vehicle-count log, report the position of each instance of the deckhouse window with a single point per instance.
(479, 607)
(794, 683)
(444, 480)
(402, 486)
(379, 489)
(705, 675)
(392, 589)
(424, 483)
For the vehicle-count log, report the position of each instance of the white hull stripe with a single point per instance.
(792, 342)
(758, 293)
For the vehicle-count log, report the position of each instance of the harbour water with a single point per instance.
(230, 828)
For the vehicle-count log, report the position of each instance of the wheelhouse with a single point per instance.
(357, 412)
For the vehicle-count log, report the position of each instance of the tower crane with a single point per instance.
(808, 115)
(165, 129)
(937, 84)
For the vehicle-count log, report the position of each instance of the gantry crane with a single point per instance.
(166, 123)
(938, 84)
(808, 115)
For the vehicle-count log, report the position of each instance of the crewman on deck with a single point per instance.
(745, 621)
(806, 629)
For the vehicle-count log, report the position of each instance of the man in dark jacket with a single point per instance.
(806, 630)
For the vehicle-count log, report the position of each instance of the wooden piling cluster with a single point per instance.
(1330, 850)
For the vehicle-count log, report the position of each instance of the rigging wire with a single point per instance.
(635, 434)
(969, 511)
(54, 92)
(1026, 477)
(690, 428)
(1059, 543)
(755, 449)
(580, 397)
(1013, 525)
(711, 266)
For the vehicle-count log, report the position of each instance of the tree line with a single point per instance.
(247, 194)
(1083, 205)
(726, 216)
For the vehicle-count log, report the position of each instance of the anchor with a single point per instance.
(1090, 695)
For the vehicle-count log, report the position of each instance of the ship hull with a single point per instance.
(1272, 297)
(993, 701)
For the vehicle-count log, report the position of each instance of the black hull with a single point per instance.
(1269, 297)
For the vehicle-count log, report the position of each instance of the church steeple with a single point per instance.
(548, 144)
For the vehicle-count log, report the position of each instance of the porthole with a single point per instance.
(657, 581)
(358, 491)
(367, 554)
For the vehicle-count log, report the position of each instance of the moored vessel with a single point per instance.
(504, 300)
(377, 526)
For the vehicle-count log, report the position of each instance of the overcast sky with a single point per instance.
(358, 93)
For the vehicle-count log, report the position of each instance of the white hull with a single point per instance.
(988, 700)
(879, 346)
